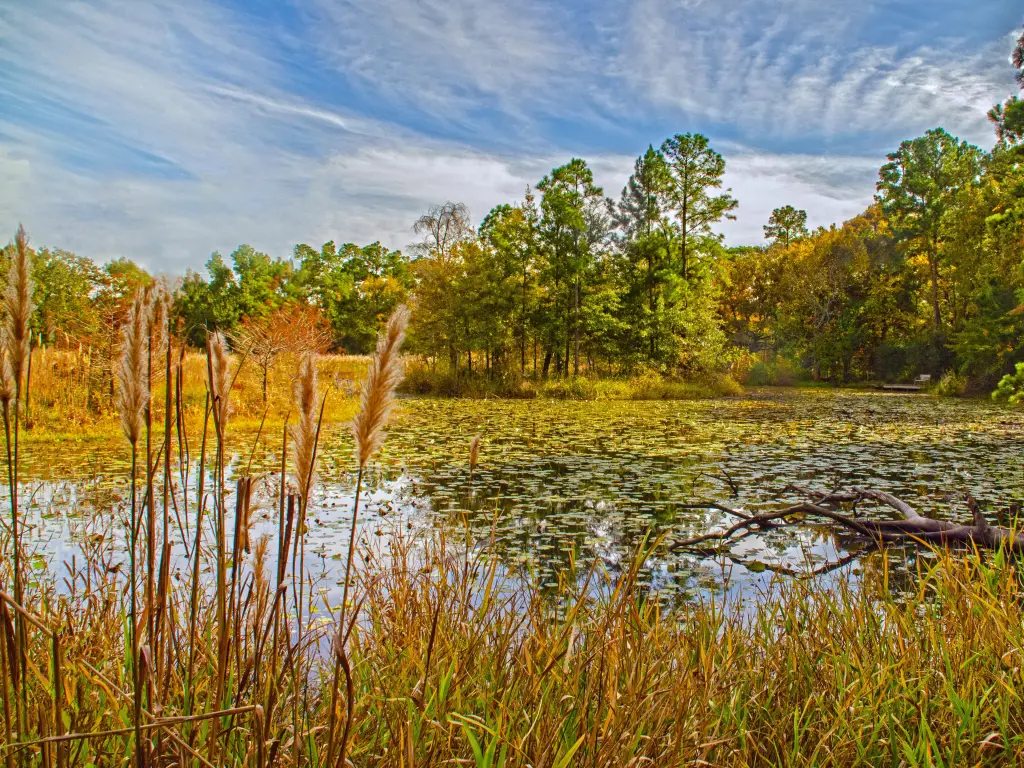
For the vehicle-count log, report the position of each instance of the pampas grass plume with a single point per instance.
(304, 433)
(379, 388)
(221, 384)
(7, 389)
(18, 303)
(474, 453)
(132, 377)
(159, 302)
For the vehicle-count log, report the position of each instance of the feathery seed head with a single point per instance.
(159, 302)
(132, 376)
(18, 304)
(304, 433)
(220, 386)
(7, 388)
(474, 452)
(378, 391)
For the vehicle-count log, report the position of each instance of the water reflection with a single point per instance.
(566, 483)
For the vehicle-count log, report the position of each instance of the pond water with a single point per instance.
(560, 480)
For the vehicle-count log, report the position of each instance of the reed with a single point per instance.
(133, 404)
(219, 386)
(474, 454)
(18, 307)
(446, 655)
(599, 671)
(304, 433)
(368, 430)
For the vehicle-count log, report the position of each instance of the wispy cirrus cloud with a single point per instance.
(452, 58)
(164, 130)
(823, 71)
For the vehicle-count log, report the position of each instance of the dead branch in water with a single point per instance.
(912, 528)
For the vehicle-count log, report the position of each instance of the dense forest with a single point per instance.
(569, 281)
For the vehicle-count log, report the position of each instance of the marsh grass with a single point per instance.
(439, 654)
(72, 396)
(455, 661)
(649, 385)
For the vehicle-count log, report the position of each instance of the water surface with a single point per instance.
(561, 482)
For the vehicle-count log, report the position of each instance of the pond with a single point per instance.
(561, 481)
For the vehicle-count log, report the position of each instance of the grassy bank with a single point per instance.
(453, 663)
(420, 380)
(187, 630)
(72, 394)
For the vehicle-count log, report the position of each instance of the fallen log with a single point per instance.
(913, 527)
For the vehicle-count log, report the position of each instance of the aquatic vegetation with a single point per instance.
(514, 599)
(421, 380)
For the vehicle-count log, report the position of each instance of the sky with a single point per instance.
(163, 131)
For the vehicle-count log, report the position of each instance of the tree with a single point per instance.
(1008, 117)
(121, 279)
(443, 227)
(65, 287)
(642, 215)
(572, 223)
(785, 225)
(290, 328)
(915, 190)
(356, 287)
(696, 171)
(253, 286)
(511, 232)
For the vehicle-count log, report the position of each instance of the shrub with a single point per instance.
(1011, 387)
(952, 384)
(780, 372)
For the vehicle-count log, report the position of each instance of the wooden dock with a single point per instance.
(902, 387)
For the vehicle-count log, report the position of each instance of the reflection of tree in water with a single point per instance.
(551, 535)
(574, 482)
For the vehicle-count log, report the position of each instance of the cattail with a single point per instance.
(379, 388)
(304, 433)
(474, 454)
(132, 376)
(18, 303)
(221, 384)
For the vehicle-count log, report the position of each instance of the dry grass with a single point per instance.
(438, 655)
(453, 662)
(422, 380)
(71, 393)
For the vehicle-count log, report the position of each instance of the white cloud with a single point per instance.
(452, 57)
(164, 130)
(831, 189)
(804, 72)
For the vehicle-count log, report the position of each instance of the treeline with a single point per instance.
(567, 281)
(927, 280)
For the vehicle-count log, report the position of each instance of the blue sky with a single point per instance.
(165, 130)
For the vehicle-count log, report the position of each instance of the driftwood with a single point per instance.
(912, 528)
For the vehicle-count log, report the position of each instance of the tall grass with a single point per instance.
(649, 385)
(71, 390)
(439, 654)
(455, 663)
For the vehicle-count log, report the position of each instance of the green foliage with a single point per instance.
(776, 372)
(785, 225)
(1011, 386)
(952, 384)
(695, 171)
(569, 284)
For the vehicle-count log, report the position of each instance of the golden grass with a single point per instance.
(421, 380)
(438, 654)
(453, 663)
(72, 393)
